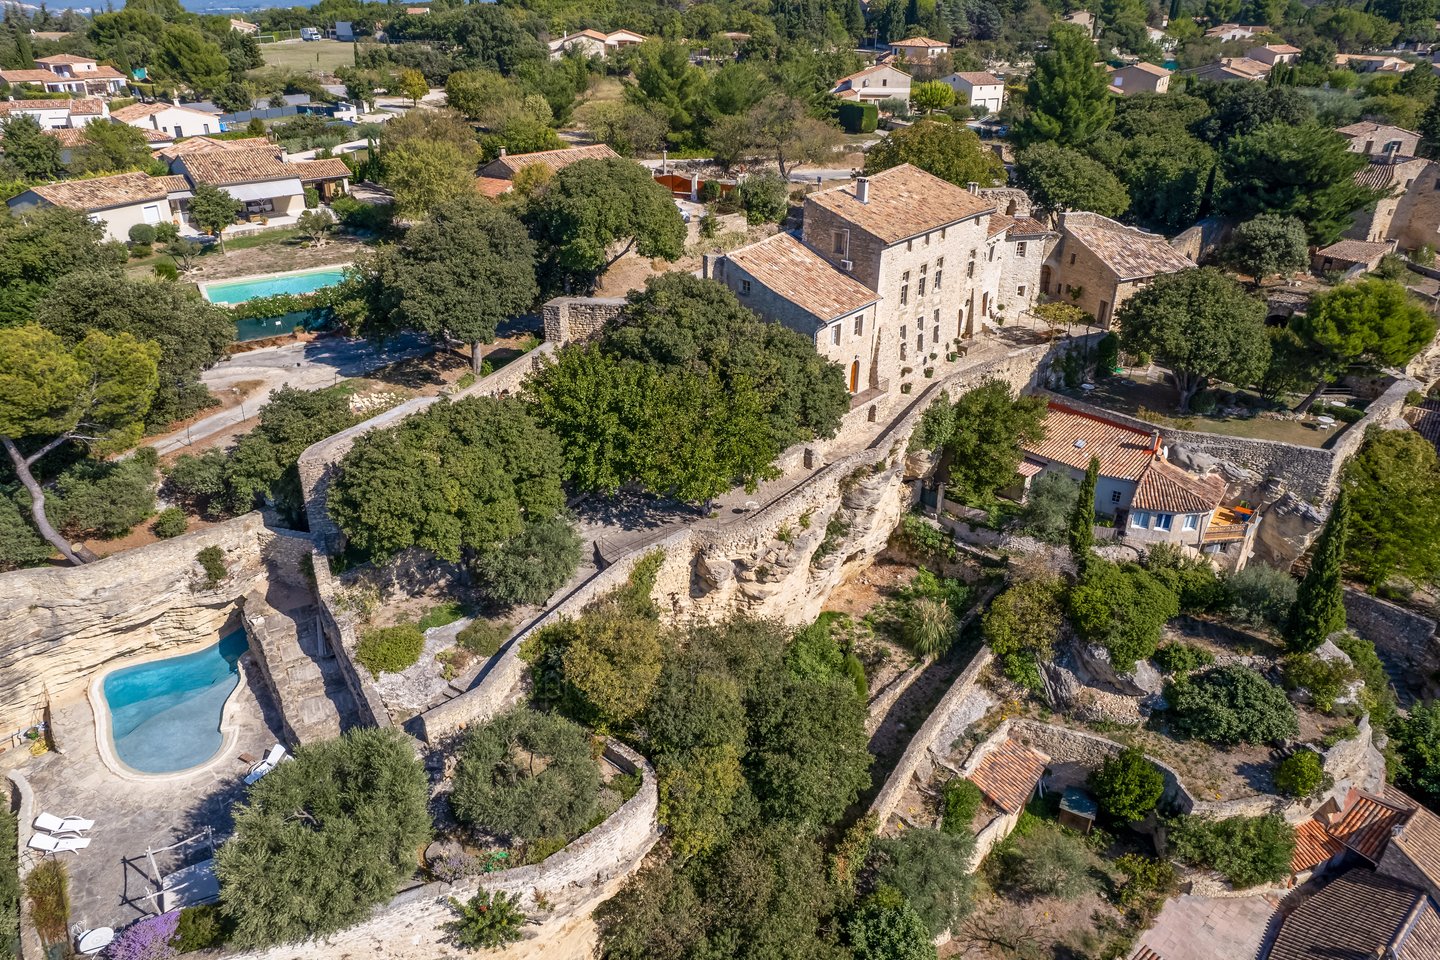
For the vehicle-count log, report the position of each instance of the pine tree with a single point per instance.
(1320, 604)
(1069, 99)
(1082, 521)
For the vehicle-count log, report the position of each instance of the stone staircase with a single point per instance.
(301, 673)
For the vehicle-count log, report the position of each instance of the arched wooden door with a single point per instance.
(855, 377)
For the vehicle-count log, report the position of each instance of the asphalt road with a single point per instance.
(305, 366)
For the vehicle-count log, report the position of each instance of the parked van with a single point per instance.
(309, 33)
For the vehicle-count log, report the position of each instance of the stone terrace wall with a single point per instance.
(58, 624)
(1406, 638)
(579, 318)
(339, 630)
(571, 882)
(1310, 472)
(317, 464)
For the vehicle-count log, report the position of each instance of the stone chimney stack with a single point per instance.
(862, 189)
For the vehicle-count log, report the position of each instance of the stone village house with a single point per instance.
(1099, 263)
(891, 271)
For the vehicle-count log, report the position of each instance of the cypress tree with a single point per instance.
(1320, 603)
(1082, 521)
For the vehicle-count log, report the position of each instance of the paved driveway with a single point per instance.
(1210, 928)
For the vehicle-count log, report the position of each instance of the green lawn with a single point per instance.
(313, 56)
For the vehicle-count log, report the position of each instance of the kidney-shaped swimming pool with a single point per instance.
(165, 715)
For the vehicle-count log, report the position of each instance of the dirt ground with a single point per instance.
(1048, 926)
(284, 254)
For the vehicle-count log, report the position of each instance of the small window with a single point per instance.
(1163, 521)
(904, 342)
(744, 286)
(1192, 522)
(1072, 259)
(904, 294)
(909, 245)
(920, 341)
(842, 241)
(1020, 248)
(1114, 496)
(835, 334)
(990, 255)
(942, 233)
(920, 287)
(938, 274)
(1020, 290)
(970, 269)
(864, 83)
(860, 325)
(1140, 520)
(884, 81)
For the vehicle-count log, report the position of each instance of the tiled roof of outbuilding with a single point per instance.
(904, 201)
(1355, 251)
(102, 193)
(1313, 846)
(554, 159)
(792, 270)
(1131, 253)
(1007, 775)
(1419, 841)
(1367, 823)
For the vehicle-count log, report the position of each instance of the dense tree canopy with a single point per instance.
(1393, 486)
(38, 247)
(1068, 100)
(1229, 705)
(1062, 178)
(1369, 321)
(1200, 324)
(1122, 608)
(983, 446)
(1267, 244)
(948, 150)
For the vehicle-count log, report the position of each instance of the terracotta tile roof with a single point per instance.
(1367, 823)
(139, 111)
(1130, 252)
(1165, 488)
(223, 168)
(1425, 419)
(904, 201)
(1030, 468)
(978, 78)
(1313, 846)
(918, 42)
(33, 76)
(68, 136)
(1355, 251)
(1421, 939)
(1029, 227)
(174, 183)
(999, 223)
(1154, 69)
(506, 167)
(1008, 774)
(191, 145)
(1072, 438)
(102, 193)
(331, 168)
(1366, 128)
(869, 70)
(155, 136)
(1358, 916)
(65, 58)
(1419, 841)
(101, 72)
(1280, 48)
(492, 186)
(1378, 176)
(791, 270)
(79, 107)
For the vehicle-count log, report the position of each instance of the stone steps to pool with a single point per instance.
(287, 646)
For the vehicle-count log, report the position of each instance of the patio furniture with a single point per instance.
(276, 754)
(1325, 423)
(90, 942)
(49, 844)
(57, 825)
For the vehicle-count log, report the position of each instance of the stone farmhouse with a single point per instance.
(874, 84)
(1381, 139)
(891, 271)
(1408, 212)
(68, 74)
(1150, 499)
(1100, 263)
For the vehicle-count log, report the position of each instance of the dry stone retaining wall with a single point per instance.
(579, 318)
(1407, 638)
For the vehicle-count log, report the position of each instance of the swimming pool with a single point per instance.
(250, 288)
(165, 715)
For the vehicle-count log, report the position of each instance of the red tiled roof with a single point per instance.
(102, 193)
(788, 268)
(492, 186)
(508, 166)
(1355, 251)
(34, 76)
(1130, 252)
(139, 111)
(904, 201)
(1072, 438)
(1166, 488)
(1367, 823)
(1358, 916)
(331, 168)
(979, 78)
(999, 223)
(919, 42)
(869, 70)
(80, 107)
(1028, 227)
(1008, 774)
(1313, 846)
(65, 58)
(223, 168)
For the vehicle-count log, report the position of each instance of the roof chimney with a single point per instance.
(1155, 442)
(862, 189)
(973, 187)
(502, 151)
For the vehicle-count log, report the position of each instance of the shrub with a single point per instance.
(1245, 850)
(1047, 510)
(487, 921)
(166, 232)
(1260, 596)
(1378, 697)
(1128, 786)
(1230, 705)
(1146, 879)
(1046, 862)
(166, 270)
(170, 522)
(1346, 731)
(323, 838)
(529, 567)
(858, 117)
(484, 638)
(931, 871)
(200, 927)
(765, 198)
(923, 539)
(1192, 579)
(1182, 658)
(212, 561)
(928, 626)
(1302, 774)
(886, 927)
(20, 545)
(855, 670)
(961, 800)
(142, 233)
(47, 888)
(442, 614)
(527, 775)
(312, 198)
(147, 939)
(1325, 680)
(101, 498)
(1022, 626)
(9, 885)
(1121, 608)
(390, 649)
(1417, 747)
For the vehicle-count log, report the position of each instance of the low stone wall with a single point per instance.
(58, 624)
(569, 883)
(1401, 636)
(339, 630)
(1310, 472)
(579, 318)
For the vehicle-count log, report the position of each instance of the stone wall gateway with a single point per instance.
(568, 319)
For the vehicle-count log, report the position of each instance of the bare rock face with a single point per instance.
(58, 624)
(1086, 701)
(1286, 528)
(1094, 667)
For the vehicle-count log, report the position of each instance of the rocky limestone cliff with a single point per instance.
(58, 624)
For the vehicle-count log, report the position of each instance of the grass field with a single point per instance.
(314, 56)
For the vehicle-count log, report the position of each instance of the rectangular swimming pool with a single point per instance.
(304, 281)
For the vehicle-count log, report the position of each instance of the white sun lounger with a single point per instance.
(53, 824)
(272, 759)
(49, 844)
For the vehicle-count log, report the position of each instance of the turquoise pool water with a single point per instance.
(165, 715)
(238, 291)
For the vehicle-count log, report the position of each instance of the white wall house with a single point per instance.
(593, 43)
(874, 84)
(67, 73)
(118, 202)
(978, 89)
(170, 118)
(62, 114)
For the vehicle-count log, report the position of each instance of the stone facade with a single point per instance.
(1402, 636)
(578, 318)
(1409, 213)
(58, 624)
(1097, 264)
